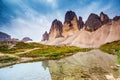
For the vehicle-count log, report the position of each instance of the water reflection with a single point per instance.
(25, 71)
(94, 65)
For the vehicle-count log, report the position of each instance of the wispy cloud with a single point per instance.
(51, 3)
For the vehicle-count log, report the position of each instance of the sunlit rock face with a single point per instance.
(56, 29)
(26, 39)
(45, 36)
(4, 36)
(93, 22)
(70, 26)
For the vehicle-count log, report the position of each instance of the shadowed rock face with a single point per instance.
(93, 22)
(25, 39)
(69, 16)
(4, 36)
(56, 29)
(45, 36)
(70, 24)
(104, 18)
(80, 23)
(116, 18)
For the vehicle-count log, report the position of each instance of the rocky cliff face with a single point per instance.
(4, 36)
(116, 18)
(56, 29)
(45, 36)
(26, 39)
(70, 26)
(93, 22)
(80, 23)
(104, 18)
(96, 31)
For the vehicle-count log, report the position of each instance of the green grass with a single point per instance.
(6, 59)
(118, 58)
(53, 51)
(112, 48)
(34, 50)
(18, 47)
(43, 50)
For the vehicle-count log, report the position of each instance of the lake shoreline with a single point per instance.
(36, 59)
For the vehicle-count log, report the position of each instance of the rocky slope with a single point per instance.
(96, 31)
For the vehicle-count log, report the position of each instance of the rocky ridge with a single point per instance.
(96, 31)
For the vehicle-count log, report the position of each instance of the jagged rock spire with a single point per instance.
(70, 24)
(93, 22)
(104, 18)
(80, 22)
(56, 29)
(45, 36)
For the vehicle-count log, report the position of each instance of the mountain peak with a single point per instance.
(45, 36)
(70, 24)
(93, 22)
(56, 29)
(69, 16)
(104, 18)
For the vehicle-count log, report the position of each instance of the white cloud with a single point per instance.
(33, 28)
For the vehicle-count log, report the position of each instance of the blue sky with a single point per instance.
(32, 18)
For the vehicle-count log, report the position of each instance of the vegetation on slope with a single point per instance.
(24, 52)
(18, 47)
(112, 48)
(6, 59)
(53, 51)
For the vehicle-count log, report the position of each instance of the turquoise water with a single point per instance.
(25, 71)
